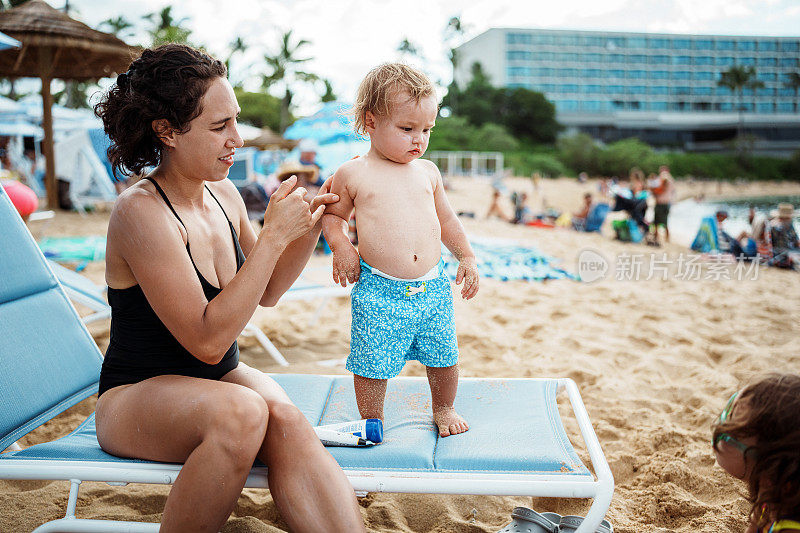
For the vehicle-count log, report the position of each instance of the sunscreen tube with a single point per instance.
(330, 437)
(370, 429)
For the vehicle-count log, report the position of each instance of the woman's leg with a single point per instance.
(214, 428)
(308, 486)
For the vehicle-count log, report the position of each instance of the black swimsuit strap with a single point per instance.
(169, 204)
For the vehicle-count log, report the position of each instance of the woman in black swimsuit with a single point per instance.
(186, 271)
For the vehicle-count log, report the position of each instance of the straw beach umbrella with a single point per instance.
(57, 46)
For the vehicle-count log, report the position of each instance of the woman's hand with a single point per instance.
(288, 215)
(324, 196)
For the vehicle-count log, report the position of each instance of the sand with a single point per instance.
(655, 361)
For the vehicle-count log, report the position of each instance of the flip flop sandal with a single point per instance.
(524, 520)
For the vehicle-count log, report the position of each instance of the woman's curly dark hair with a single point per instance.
(167, 82)
(773, 418)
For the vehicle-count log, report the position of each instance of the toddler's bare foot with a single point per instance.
(449, 422)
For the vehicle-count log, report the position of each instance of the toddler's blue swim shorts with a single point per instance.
(395, 321)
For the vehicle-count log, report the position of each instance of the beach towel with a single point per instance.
(74, 249)
(507, 260)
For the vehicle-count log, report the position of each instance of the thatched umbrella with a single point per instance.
(57, 46)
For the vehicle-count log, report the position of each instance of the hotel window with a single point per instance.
(681, 75)
(659, 75)
(726, 45)
(566, 57)
(523, 85)
(519, 55)
(568, 88)
(616, 58)
(726, 61)
(682, 60)
(592, 40)
(637, 89)
(681, 44)
(767, 76)
(746, 45)
(704, 76)
(592, 58)
(637, 74)
(567, 40)
(682, 90)
(658, 43)
(788, 62)
(723, 91)
(704, 60)
(659, 60)
(767, 46)
(567, 72)
(726, 106)
(593, 73)
(638, 58)
(567, 105)
(767, 62)
(659, 89)
(702, 91)
(518, 72)
(765, 91)
(636, 42)
(519, 38)
(615, 89)
(790, 46)
(704, 44)
(615, 42)
(785, 107)
(616, 73)
(658, 106)
(785, 91)
(747, 61)
(592, 105)
(543, 39)
(543, 72)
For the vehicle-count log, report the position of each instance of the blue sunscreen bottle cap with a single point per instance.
(374, 430)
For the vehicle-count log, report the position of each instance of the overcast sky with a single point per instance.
(348, 37)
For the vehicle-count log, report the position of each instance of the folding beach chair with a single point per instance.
(517, 444)
(82, 290)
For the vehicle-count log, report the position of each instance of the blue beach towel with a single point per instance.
(707, 238)
(508, 261)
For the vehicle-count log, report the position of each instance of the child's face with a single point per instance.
(731, 457)
(403, 135)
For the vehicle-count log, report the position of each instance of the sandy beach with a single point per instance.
(655, 360)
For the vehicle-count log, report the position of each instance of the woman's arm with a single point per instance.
(294, 257)
(145, 234)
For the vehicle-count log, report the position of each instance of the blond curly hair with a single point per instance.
(382, 84)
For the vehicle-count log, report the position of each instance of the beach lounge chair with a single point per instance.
(84, 291)
(517, 445)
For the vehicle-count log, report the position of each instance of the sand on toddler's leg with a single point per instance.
(370, 394)
(444, 384)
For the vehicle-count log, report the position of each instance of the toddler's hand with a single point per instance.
(346, 266)
(468, 273)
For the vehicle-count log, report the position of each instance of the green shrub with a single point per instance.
(620, 157)
(526, 163)
(492, 138)
(579, 152)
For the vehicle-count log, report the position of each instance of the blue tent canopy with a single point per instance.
(331, 124)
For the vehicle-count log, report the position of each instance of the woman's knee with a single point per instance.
(285, 414)
(238, 423)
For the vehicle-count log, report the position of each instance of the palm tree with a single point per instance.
(737, 79)
(453, 32)
(238, 46)
(793, 82)
(407, 48)
(119, 26)
(329, 95)
(285, 72)
(166, 29)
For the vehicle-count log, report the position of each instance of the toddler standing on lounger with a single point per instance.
(402, 303)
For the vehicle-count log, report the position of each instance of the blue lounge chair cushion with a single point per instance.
(515, 428)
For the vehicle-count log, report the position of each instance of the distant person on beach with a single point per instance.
(756, 439)
(521, 208)
(756, 238)
(172, 387)
(579, 217)
(402, 303)
(663, 189)
(495, 210)
(785, 244)
(727, 244)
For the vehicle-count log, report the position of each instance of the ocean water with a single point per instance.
(685, 216)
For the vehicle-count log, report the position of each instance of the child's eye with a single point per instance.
(404, 128)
